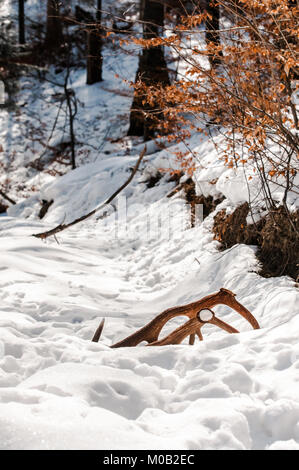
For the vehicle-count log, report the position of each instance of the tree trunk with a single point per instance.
(152, 70)
(21, 22)
(54, 35)
(94, 49)
(212, 25)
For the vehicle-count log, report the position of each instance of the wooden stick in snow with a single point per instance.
(62, 226)
(5, 196)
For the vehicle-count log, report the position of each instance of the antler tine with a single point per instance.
(199, 334)
(98, 333)
(192, 339)
(223, 325)
(239, 308)
(178, 335)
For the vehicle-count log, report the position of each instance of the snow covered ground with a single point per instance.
(58, 390)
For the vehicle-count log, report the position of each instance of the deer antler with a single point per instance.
(199, 314)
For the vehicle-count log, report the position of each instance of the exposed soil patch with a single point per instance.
(154, 179)
(230, 229)
(45, 207)
(279, 251)
(3, 208)
(209, 203)
(276, 235)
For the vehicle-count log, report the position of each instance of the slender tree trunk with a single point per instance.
(152, 69)
(21, 22)
(72, 111)
(94, 49)
(54, 34)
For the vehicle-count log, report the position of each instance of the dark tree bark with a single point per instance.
(94, 49)
(212, 25)
(152, 70)
(21, 22)
(54, 34)
(83, 16)
(71, 102)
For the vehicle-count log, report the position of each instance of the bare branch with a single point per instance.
(62, 226)
(6, 197)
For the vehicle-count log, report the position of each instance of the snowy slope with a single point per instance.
(58, 390)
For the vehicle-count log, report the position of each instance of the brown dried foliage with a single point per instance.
(277, 241)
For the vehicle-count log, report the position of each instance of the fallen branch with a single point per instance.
(62, 226)
(2, 194)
